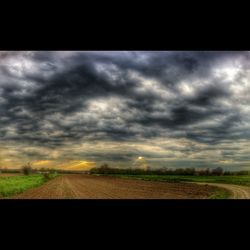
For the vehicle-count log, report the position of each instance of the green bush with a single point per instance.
(27, 170)
(46, 176)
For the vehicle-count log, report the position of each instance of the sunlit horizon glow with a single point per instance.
(77, 110)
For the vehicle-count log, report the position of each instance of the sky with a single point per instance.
(79, 109)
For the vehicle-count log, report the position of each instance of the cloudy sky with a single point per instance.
(76, 110)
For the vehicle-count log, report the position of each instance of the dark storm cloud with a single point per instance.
(170, 67)
(208, 95)
(37, 87)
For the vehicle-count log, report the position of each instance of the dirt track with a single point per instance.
(93, 187)
(237, 192)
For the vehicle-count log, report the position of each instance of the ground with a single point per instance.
(236, 191)
(11, 184)
(105, 187)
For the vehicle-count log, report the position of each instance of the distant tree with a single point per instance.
(207, 171)
(242, 172)
(26, 169)
(46, 176)
(203, 172)
(104, 166)
(217, 171)
(52, 171)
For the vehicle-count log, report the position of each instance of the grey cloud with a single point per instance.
(62, 84)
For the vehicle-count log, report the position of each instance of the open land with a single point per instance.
(105, 187)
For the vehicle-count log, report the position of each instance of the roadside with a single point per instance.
(15, 184)
(236, 191)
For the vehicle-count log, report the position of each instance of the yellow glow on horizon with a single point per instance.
(69, 164)
(41, 163)
(81, 165)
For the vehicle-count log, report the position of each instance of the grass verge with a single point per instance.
(220, 193)
(17, 184)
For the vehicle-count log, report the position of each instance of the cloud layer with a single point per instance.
(172, 108)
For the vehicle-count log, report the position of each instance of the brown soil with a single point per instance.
(100, 187)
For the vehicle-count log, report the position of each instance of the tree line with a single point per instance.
(27, 170)
(105, 169)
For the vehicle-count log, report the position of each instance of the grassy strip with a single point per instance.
(17, 184)
(220, 193)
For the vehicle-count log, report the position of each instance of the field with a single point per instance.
(234, 187)
(11, 184)
(80, 186)
(236, 180)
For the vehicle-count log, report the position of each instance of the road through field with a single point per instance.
(236, 191)
(103, 187)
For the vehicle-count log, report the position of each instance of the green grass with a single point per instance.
(17, 184)
(220, 193)
(237, 180)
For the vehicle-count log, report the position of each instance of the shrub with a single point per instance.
(46, 176)
(27, 169)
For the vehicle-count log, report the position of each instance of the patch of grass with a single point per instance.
(17, 184)
(220, 193)
(48, 176)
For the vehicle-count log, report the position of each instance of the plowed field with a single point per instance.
(102, 187)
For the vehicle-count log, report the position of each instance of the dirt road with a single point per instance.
(236, 191)
(100, 187)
